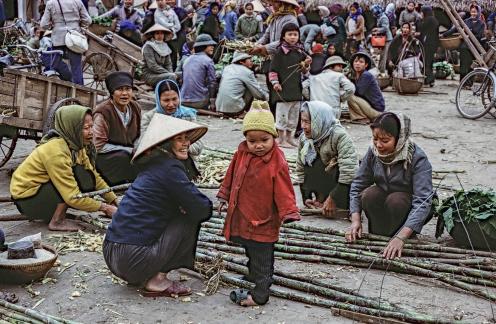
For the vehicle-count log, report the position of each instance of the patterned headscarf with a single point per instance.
(377, 10)
(284, 9)
(404, 145)
(323, 120)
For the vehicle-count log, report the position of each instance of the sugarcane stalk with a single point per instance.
(307, 285)
(121, 187)
(310, 288)
(9, 314)
(45, 318)
(317, 301)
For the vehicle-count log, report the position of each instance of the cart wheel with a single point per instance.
(7, 146)
(96, 67)
(50, 118)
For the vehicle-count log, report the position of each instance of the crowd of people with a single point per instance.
(317, 63)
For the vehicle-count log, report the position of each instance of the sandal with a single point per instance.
(174, 290)
(238, 295)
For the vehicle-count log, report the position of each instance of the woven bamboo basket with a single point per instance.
(384, 82)
(451, 42)
(24, 273)
(408, 86)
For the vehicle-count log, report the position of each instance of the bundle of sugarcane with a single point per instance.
(457, 275)
(11, 313)
(76, 242)
(244, 46)
(212, 169)
(314, 292)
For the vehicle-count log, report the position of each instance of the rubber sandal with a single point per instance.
(174, 290)
(238, 295)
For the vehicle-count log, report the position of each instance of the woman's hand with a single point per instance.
(393, 249)
(308, 61)
(277, 87)
(329, 207)
(108, 210)
(355, 228)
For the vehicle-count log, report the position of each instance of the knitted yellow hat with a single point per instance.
(259, 118)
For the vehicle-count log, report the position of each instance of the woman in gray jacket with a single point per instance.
(62, 16)
(393, 185)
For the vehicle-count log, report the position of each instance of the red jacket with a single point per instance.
(260, 195)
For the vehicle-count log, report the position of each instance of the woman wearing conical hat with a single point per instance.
(155, 229)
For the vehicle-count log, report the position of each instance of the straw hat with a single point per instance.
(158, 27)
(333, 60)
(257, 6)
(240, 56)
(324, 11)
(163, 127)
(291, 2)
(153, 5)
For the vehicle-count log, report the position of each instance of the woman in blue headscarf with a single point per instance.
(327, 158)
(168, 102)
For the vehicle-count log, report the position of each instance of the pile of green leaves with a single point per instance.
(443, 70)
(475, 205)
(226, 59)
(103, 21)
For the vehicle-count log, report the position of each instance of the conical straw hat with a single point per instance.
(163, 127)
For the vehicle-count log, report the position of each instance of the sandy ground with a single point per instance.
(451, 142)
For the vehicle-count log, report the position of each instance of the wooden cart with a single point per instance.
(28, 105)
(104, 57)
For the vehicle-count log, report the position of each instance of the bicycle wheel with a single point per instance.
(474, 95)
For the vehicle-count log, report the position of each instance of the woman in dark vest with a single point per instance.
(116, 127)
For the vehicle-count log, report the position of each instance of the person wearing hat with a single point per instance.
(331, 86)
(128, 21)
(156, 227)
(199, 81)
(284, 13)
(248, 26)
(314, 33)
(166, 16)
(368, 102)
(61, 167)
(229, 19)
(157, 56)
(116, 128)
(259, 195)
(238, 86)
(327, 158)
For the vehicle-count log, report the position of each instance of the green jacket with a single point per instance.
(338, 149)
(248, 27)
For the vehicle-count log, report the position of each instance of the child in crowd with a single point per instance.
(318, 59)
(260, 198)
(289, 65)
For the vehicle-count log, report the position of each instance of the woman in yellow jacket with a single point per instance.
(62, 166)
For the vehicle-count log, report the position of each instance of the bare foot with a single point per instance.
(248, 301)
(159, 282)
(362, 121)
(65, 225)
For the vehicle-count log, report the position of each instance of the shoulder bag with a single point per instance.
(74, 40)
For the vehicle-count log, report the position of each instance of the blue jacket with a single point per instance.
(416, 180)
(154, 199)
(366, 87)
(230, 20)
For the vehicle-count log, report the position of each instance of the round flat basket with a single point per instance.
(26, 270)
(384, 82)
(408, 86)
(477, 237)
(451, 43)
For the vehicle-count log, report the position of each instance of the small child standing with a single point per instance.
(288, 66)
(260, 198)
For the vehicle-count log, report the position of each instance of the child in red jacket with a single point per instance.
(260, 197)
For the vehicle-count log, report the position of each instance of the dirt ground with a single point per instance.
(451, 142)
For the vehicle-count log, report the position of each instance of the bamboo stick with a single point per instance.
(9, 314)
(102, 191)
(12, 217)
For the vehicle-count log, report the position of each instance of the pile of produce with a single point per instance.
(443, 70)
(473, 213)
(226, 59)
(102, 21)
(244, 46)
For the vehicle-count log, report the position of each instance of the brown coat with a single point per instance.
(108, 127)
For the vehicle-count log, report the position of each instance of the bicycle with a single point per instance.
(39, 61)
(475, 94)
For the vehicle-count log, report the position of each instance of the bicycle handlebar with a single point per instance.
(52, 52)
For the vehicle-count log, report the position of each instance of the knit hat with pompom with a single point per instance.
(259, 118)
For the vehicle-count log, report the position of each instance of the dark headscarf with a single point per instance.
(69, 122)
(118, 79)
